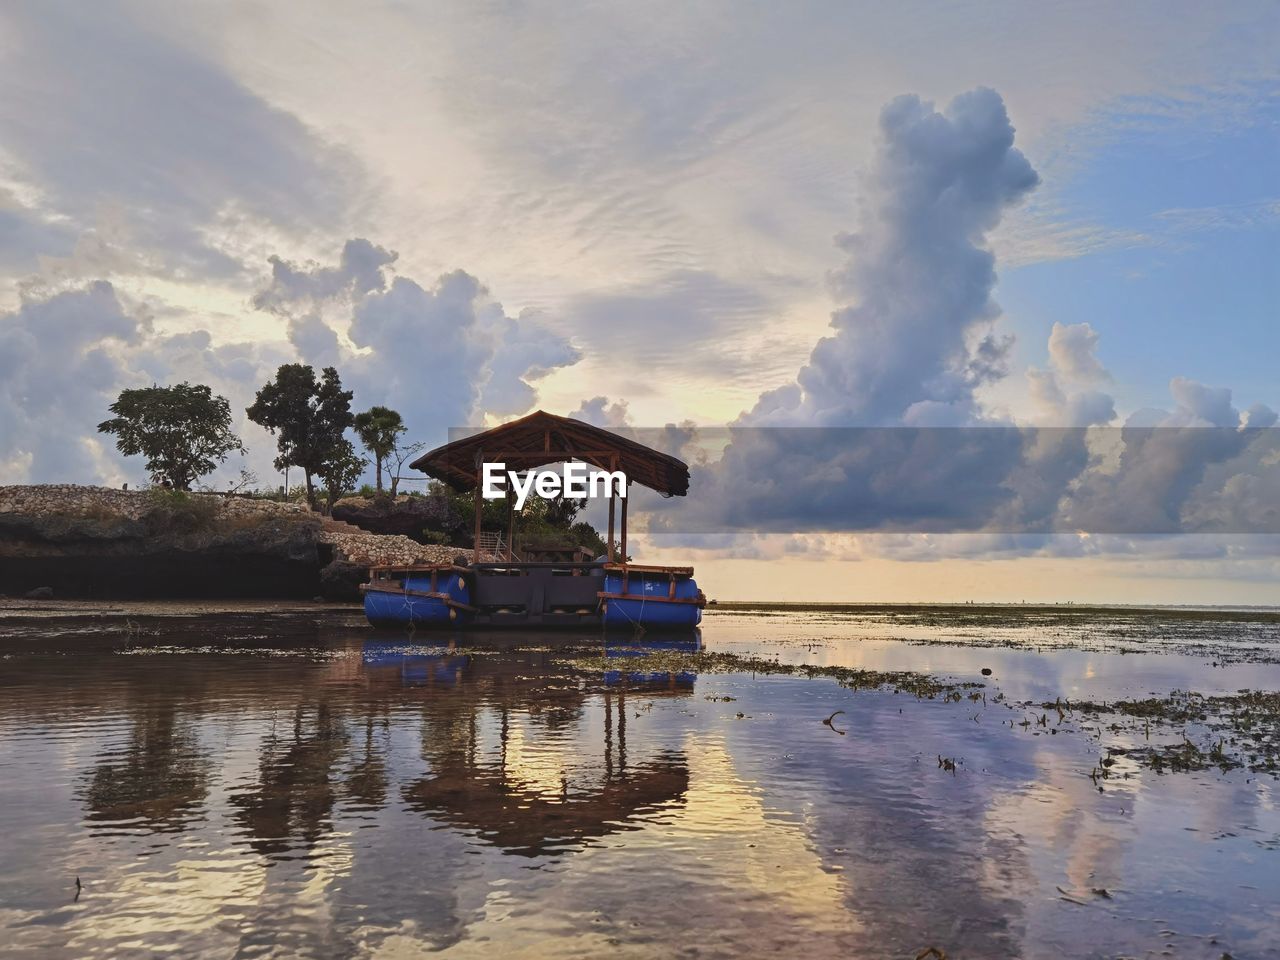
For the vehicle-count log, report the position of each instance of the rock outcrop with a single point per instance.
(355, 551)
(85, 541)
(403, 516)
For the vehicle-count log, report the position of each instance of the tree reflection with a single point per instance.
(294, 798)
(366, 781)
(522, 750)
(160, 778)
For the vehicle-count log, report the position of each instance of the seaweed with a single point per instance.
(923, 686)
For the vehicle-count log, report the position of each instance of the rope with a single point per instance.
(638, 629)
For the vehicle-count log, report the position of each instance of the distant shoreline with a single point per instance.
(1059, 607)
(15, 608)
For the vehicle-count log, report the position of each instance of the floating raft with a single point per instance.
(650, 596)
(583, 594)
(537, 588)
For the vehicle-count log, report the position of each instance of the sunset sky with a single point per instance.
(708, 213)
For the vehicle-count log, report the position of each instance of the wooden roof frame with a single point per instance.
(541, 438)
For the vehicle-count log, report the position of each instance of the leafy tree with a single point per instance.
(340, 473)
(378, 429)
(184, 431)
(308, 417)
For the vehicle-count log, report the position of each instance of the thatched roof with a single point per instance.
(541, 438)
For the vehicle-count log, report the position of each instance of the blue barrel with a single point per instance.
(648, 601)
(404, 609)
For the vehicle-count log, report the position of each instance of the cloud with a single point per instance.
(681, 324)
(446, 355)
(599, 412)
(1073, 352)
(1237, 216)
(65, 358)
(883, 429)
(909, 350)
(913, 345)
(108, 112)
(26, 233)
(1062, 394)
(1158, 482)
(58, 365)
(359, 271)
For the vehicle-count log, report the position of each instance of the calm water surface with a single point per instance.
(253, 786)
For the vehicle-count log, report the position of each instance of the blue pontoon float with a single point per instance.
(504, 586)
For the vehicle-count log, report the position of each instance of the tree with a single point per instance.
(400, 455)
(308, 417)
(340, 473)
(378, 429)
(184, 431)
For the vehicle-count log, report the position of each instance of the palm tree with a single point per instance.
(378, 428)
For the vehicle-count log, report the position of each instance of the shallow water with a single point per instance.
(255, 786)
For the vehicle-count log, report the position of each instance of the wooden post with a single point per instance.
(625, 497)
(475, 549)
(511, 524)
(609, 548)
(613, 465)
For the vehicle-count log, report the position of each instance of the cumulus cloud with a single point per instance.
(359, 271)
(599, 412)
(908, 352)
(883, 428)
(64, 359)
(1073, 352)
(444, 354)
(1063, 393)
(915, 340)
(59, 361)
(1157, 484)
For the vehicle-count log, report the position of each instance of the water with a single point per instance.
(257, 786)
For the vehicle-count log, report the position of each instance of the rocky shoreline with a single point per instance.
(67, 540)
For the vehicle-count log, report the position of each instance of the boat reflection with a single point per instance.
(518, 746)
(513, 745)
(653, 680)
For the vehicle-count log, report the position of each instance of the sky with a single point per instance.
(912, 216)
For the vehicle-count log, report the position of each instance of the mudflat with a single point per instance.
(264, 778)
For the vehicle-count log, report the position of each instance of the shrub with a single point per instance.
(175, 511)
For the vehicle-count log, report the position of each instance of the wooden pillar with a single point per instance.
(623, 545)
(511, 523)
(475, 548)
(613, 465)
(609, 550)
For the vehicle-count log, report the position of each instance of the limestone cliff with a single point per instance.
(97, 542)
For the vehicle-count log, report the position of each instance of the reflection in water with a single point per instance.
(291, 806)
(338, 795)
(160, 778)
(484, 778)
